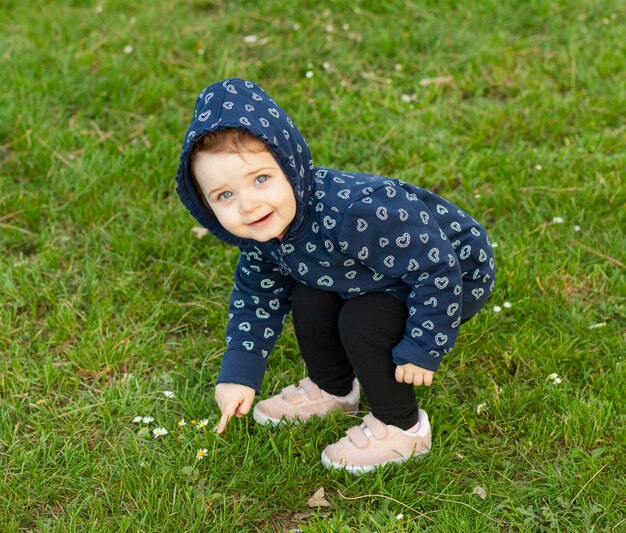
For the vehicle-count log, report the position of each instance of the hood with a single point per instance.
(243, 105)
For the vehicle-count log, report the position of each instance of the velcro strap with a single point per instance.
(291, 394)
(378, 428)
(358, 438)
(311, 389)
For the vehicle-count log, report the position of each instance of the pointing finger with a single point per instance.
(222, 425)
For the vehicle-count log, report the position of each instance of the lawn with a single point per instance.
(111, 309)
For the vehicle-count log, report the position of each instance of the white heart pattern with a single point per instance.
(404, 240)
(329, 223)
(477, 293)
(262, 313)
(204, 116)
(452, 308)
(325, 281)
(441, 283)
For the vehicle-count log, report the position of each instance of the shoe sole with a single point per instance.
(265, 420)
(360, 470)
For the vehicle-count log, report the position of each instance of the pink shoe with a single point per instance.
(374, 444)
(298, 404)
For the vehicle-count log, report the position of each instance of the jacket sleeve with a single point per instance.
(259, 303)
(395, 234)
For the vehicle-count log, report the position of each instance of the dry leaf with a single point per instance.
(459, 456)
(318, 500)
(480, 492)
(199, 232)
(441, 80)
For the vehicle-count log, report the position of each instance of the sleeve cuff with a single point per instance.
(242, 368)
(409, 352)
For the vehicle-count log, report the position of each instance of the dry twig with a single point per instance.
(387, 498)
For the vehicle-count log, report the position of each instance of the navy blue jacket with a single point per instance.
(353, 233)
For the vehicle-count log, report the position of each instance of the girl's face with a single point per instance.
(248, 192)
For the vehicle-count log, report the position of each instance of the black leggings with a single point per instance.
(340, 338)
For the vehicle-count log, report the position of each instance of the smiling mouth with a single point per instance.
(261, 220)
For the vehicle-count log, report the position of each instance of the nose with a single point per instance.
(248, 202)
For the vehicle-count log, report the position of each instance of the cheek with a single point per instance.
(288, 199)
(289, 205)
(224, 216)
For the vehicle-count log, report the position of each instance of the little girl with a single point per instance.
(379, 275)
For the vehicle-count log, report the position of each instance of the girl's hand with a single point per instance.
(233, 400)
(414, 374)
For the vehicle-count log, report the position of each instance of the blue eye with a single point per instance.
(262, 179)
(225, 195)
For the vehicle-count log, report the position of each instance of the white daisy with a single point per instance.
(200, 454)
(554, 377)
(159, 432)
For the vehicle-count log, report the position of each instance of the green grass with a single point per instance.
(107, 299)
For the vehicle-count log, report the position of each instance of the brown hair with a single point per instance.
(226, 141)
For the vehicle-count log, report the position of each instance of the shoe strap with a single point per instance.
(311, 389)
(358, 438)
(291, 395)
(357, 434)
(378, 428)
